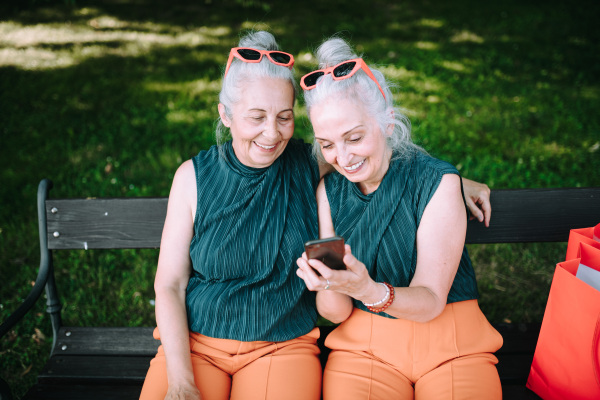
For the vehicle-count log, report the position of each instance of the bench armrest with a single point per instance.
(45, 270)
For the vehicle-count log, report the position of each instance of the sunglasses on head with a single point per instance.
(341, 71)
(249, 55)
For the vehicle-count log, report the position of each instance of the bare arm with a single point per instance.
(440, 241)
(335, 307)
(171, 281)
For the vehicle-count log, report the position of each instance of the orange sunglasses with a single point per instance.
(249, 55)
(341, 71)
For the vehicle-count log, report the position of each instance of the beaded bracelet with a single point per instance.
(390, 300)
(385, 297)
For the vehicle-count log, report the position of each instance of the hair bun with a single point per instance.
(260, 40)
(334, 51)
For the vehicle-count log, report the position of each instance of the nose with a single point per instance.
(271, 131)
(343, 156)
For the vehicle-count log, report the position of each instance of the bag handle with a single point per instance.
(595, 352)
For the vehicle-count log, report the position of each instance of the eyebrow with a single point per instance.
(348, 132)
(262, 110)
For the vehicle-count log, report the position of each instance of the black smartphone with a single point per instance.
(329, 251)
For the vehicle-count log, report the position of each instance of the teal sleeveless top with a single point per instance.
(249, 229)
(381, 227)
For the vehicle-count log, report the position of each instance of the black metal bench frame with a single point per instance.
(111, 363)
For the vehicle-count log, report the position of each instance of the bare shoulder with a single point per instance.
(185, 178)
(450, 186)
(183, 190)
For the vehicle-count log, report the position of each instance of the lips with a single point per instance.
(262, 146)
(354, 167)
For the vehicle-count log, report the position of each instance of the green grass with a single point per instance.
(107, 98)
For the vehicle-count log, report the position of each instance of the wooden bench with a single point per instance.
(111, 363)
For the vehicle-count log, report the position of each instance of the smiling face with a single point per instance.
(351, 141)
(262, 122)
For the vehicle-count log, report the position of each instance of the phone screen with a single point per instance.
(329, 251)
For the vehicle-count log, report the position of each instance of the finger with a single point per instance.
(308, 275)
(305, 267)
(321, 268)
(352, 263)
(474, 209)
(300, 273)
(486, 206)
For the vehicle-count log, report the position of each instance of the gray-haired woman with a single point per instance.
(410, 327)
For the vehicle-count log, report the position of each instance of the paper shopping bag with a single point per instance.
(566, 363)
(590, 236)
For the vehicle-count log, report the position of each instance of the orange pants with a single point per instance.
(225, 369)
(450, 357)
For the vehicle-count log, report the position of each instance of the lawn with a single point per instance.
(107, 98)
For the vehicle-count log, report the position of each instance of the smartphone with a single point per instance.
(329, 251)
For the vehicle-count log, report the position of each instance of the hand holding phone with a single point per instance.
(329, 251)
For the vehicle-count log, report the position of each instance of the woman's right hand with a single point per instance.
(183, 392)
(354, 281)
(335, 288)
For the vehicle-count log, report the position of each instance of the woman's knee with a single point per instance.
(471, 377)
(358, 376)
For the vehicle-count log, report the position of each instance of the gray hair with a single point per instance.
(362, 88)
(240, 72)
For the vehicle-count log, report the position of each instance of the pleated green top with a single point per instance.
(381, 227)
(249, 229)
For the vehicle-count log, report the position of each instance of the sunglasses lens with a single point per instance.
(279, 57)
(249, 54)
(311, 80)
(344, 69)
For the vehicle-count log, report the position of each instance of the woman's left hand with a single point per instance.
(477, 196)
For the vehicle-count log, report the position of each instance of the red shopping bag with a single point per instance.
(566, 363)
(589, 236)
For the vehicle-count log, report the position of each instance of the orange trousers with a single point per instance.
(450, 357)
(231, 369)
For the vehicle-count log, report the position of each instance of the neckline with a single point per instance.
(240, 167)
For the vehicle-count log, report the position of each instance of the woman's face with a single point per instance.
(351, 141)
(262, 121)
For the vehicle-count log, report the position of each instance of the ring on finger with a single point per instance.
(327, 287)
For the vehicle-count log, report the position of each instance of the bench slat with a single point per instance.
(518, 392)
(88, 392)
(123, 341)
(537, 215)
(127, 223)
(513, 369)
(95, 369)
(518, 338)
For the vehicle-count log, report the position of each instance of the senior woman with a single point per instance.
(410, 325)
(233, 318)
